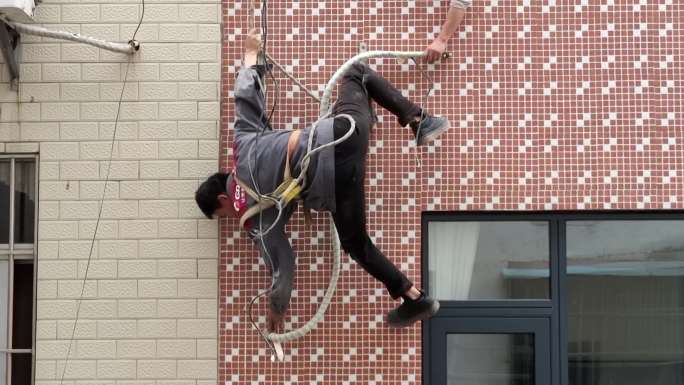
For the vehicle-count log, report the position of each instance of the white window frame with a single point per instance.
(20, 252)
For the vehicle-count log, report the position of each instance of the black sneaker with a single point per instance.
(429, 128)
(412, 311)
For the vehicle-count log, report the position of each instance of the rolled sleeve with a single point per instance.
(463, 4)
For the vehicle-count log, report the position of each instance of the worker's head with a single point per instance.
(212, 196)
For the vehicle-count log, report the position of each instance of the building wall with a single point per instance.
(149, 313)
(554, 106)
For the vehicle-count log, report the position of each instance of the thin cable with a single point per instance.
(269, 70)
(423, 104)
(97, 223)
(252, 23)
(255, 325)
(251, 154)
(294, 79)
(251, 15)
(255, 177)
(142, 16)
(104, 193)
(254, 174)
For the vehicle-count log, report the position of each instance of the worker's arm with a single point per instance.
(453, 21)
(277, 253)
(250, 105)
(252, 48)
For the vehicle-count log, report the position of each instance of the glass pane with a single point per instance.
(626, 302)
(3, 367)
(489, 260)
(4, 201)
(24, 200)
(22, 330)
(21, 369)
(490, 359)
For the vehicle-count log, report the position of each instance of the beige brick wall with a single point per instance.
(149, 310)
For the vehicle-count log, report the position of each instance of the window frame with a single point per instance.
(427, 218)
(539, 327)
(555, 309)
(24, 252)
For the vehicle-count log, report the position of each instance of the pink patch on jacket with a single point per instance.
(237, 194)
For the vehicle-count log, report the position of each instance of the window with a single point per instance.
(490, 358)
(18, 186)
(625, 302)
(486, 260)
(602, 294)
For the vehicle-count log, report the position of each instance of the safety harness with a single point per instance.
(289, 189)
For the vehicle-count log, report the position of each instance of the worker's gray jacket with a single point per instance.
(259, 155)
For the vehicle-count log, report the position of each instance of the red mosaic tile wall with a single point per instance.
(555, 105)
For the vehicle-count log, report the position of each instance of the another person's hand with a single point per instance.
(435, 50)
(253, 41)
(275, 322)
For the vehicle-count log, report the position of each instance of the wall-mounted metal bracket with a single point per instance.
(9, 41)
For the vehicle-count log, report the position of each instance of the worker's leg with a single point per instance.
(353, 100)
(350, 220)
(361, 83)
(389, 97)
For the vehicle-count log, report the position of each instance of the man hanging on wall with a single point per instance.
(263, 158)
(457, 9)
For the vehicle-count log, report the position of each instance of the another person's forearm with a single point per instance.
(455, 15)
(452, 23)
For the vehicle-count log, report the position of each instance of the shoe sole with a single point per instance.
(427, 138)
(421, 317)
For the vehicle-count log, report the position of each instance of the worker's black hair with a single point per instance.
(207, 194)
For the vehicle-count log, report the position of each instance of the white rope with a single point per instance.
(330, 291)
(127, 48)
(278, 339)
(320, 313)
(327, 93)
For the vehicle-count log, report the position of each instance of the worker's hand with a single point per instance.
(435, 50)
(275, 322)
(253, 41)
